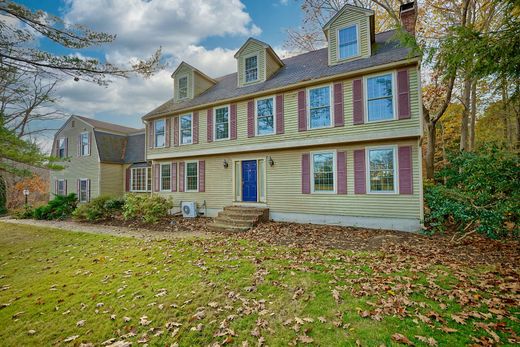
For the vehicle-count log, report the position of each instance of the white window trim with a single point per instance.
(338, 57)
(81, 154)
(257, 67)
(180, 129)
(394, 96)
(215, 123)
(331, 106)
(161, 177)
(334, 171)
(367, 170)
(187, 87)
(79, 193)
(274, 115)
(145, 179)
(64, 147)
(62, 180)
(186, 176)
(155, 133)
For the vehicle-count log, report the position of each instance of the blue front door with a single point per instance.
(249, 180)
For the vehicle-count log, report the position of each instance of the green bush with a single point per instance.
(100, 208)
(26, 212)
(61, 207)
(146, 208)
(481, 192)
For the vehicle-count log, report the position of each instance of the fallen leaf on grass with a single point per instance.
(80, 323)
(31, 332)
(458, 319)
(120, 344)
(430, 341)
(402, 339)
(71, 338)
(144, 321)
(335, 295)
(305, 339)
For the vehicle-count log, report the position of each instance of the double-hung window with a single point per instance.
(348, 42)
(186, 129)
(84, 144)
(83, 190)
(141, 179)
(319, 107)
(265, 116)
(61, 148)
(159, 132)
(323, 172)
(251, 68)
(60, 187)
(192, 176)
(380, 100)
(222, 123)
(166, 177)
(183, 87)
(382, 170)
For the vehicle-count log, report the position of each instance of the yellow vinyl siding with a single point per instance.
(348, 18)
(251, 49)
(272, 65)
(283, 186)
(395, 127)
(201, 84)
(183, 71)
(112, 179)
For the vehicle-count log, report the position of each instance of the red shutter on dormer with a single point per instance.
(280, 126)
(403, 95)
(202, 176)
(195, 128)
(181, 176)
(150, 134)
(157, 177)
(302, 111)
(342, 172)
(174, 177)
(233, 121)
(128, 176)
(405, 170)
(359, 172)
(209, 122)
(175, 131)
(250, 118)
(306, 174)
(357, 101)
(167, 131)
(339, 117)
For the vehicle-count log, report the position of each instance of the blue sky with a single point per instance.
(205, 33)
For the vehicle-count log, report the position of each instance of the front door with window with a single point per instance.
(249, 180)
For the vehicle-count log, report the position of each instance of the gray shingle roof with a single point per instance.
(297, 69)
(120, 149)
(135, 149)
(108, 126)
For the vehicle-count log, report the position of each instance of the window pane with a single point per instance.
(348, 42)
(379, 86)
(319, 97)
(221, 123)
(191, 176)
(183, 87)
(380, 100)
(251, 69)
(265, 116)
(320, 117)
(83, 194)
(165, 177)
(323, 168)
(159, 133)
(319, 107)
(381, 170)
(380, 109)
(186, 129)
(148, 179)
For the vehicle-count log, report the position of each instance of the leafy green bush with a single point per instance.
(481, 192)
(146, 208)
(100, 208)
(60, 207)
(26, 212)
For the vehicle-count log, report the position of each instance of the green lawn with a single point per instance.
(55, 285)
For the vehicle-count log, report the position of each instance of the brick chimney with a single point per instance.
(408, 16)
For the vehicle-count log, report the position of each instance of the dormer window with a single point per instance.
(183, 87)
(251, 68)
(348, 42)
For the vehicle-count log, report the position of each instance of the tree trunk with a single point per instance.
(473, 116)
(465, 115)
(430, 150)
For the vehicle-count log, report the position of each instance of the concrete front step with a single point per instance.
(227, 228)
(239, 218)
(227, 220)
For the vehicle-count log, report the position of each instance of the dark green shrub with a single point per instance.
(100, 208)
(481, 192)
(61, 207)
(146, 208)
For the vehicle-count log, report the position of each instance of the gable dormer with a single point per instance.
(350, 34)
(188, 82)
(256, 62)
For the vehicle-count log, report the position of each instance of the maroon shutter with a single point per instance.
(209, 120)
(167, 131)
(342, 172)
(357, 100)
(250, 118)
(405, 170)
(88, 190)
(195, 123)
(280, 126)
(302, 111)
(174, 177)
(128, 176)
(306, 174)
(150, 134)
(403, 95)
(65, 187)
(359, 172)
(175, 131)
(233, 121)
(157, 180)
(78, 187)
(202, 176)
(339, 118)
(181, 176)
(90, 143)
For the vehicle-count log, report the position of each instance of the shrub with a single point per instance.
(25, 212)
(146, 208)
(481, 192)
(100, 208)
(60, 207)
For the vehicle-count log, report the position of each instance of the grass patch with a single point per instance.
(56, 284)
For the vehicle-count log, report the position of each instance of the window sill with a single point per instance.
(379, 121)
(323, 127)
